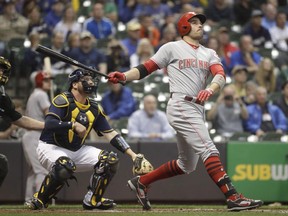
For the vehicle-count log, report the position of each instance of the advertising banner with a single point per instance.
(259, 170)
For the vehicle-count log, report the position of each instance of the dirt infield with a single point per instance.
(75, 210)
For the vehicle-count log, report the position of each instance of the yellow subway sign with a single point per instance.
(259, 170)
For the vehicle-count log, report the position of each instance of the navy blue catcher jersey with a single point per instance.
(65, 108)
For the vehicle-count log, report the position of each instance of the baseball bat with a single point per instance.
(68, 60)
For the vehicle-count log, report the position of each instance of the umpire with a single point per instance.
(7, 110)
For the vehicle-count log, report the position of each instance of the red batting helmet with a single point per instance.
(40, 76)
(183, 24)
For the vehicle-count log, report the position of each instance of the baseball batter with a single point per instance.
(189, 65)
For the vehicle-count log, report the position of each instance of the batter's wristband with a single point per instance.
(143, 71)
(119, 143)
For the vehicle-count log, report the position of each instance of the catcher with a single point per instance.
(62, 150)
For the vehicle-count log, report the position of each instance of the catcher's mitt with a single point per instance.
(141, 165)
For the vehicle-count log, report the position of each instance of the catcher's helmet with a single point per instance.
(78, 74)
(40, 76)
(183, 24)
(5, 66)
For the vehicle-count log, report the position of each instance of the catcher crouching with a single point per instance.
(62, 150)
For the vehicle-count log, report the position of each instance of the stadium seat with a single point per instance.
(240, 136)
(272, 136)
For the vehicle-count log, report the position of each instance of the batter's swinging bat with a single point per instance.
(66, 59)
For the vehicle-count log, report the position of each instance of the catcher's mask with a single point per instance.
(184, 26)
(5, 67)
(84, 76)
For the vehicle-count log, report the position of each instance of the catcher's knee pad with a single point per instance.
(104, 171)
(62, 170)
(3, 168)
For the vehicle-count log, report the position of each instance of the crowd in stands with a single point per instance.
(250, 37)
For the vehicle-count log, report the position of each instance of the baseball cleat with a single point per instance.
(35, 204)
(105, 204)
(242, 203)
(141, 192)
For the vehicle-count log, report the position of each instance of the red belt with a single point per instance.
(190, 99)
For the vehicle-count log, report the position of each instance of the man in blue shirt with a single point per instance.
(246, 56)
(149, 122)
(100, 26)
(87, 54)
(118, 102)
(264, 117)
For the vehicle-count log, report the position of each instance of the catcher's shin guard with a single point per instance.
(62, 170)
(104, 171)
(3, 168)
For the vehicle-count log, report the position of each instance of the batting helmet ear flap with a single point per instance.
(184, 26)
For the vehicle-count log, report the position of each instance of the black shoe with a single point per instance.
(141, 192)
(105, 204)
(242, 203)
(35, 204)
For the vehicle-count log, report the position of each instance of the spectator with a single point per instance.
(219, 11)
(142, 8)
(149, 30)
(37, 107)
(149, 122)
(169, 34)
(158, 11)
(12, 24)
(133, 37)
(110, 10)
(144, 51)
(27, 6)
(264, 117)
(250, 89)
(226, 47)
(282, 101)
(117, 57)
(32, 59)
(100, 26)
(279, 32)
(228, 112)
(68, 24)
(57, 44)
(118, 102)
(126, 9)
(246, 56)
(37, 24)
(87, 54)
(54, 15)
(177, 7)
(260, 35)
(213, 43)
(239, 79)
(72, 43)
(242, 10)
(268, 20)
(265, 76)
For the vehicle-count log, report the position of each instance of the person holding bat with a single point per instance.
(62, 150)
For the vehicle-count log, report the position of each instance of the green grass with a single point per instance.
(136, 210)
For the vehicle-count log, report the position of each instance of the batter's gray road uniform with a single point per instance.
(37, 103)
(188, 71)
